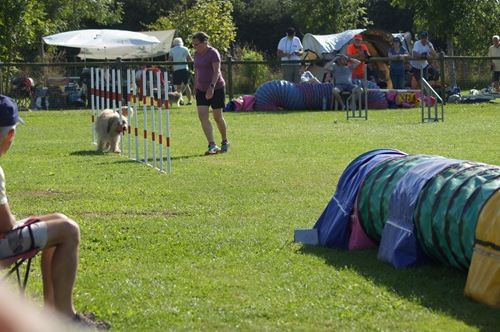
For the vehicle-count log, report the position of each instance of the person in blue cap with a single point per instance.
(397, 70)
(55, 234)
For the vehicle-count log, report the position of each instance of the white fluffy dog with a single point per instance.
(109, 128)
(174, 98)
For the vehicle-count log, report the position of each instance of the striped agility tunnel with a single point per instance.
(283, 95)
(417, 208)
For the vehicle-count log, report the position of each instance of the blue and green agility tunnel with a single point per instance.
(447, 196)
(419, 208)
(279, 94)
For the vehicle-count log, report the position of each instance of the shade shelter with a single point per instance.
(101, 39)
(162, 48)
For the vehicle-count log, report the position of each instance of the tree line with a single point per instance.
(459, 27)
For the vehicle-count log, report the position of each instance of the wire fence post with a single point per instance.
(441, 69)
(230, 76)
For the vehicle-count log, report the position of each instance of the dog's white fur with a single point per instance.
(174, 98)
(109, 128)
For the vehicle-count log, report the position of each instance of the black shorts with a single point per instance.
(496, 76)
(218, 100)
(416, 72)
(181, 76)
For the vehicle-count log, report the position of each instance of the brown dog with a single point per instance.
(109, 128)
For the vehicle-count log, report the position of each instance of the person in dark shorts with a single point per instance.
(422, 49)
(210, 91)
(182, 75)
(494, 51)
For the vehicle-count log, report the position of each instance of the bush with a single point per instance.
(248, 77)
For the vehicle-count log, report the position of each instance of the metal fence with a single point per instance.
(63, 85)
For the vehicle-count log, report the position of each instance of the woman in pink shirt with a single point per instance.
(210, 91)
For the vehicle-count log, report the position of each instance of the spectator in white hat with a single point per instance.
(182, 75)
(494, 51)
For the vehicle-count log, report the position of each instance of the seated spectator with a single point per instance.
(397, 52)
(341, 72)
(55, 234)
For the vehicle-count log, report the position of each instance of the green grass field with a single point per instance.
(210, 246)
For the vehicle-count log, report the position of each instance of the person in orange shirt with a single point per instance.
(357, 50)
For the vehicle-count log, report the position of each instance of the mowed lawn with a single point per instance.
(210, 246)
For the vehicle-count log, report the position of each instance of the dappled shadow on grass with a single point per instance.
(285, 112)
(86, 153)
(132, 214)
(434, 286)
(126, 160)
(150, 160)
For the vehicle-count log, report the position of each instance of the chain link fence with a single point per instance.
(63, 85)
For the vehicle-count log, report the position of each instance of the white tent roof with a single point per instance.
(99, 38)
(133, 52)
(324, 44)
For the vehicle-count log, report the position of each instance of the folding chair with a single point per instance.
(15, 263)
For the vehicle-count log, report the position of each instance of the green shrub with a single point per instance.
(248, 77)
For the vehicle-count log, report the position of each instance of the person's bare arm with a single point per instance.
(355, 62)
(398, 56)
(281, 54)
(328, 65)
(7, 219)
(417, 55)
(356, 56)
(215, 76)
(216, 70)
(432, 51)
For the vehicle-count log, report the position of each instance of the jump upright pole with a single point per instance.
(152, 108)
(136, 115)
(160, 117)
(92, 106)
(145, 116)
(167, 124)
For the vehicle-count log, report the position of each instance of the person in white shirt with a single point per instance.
(290, 49)
(181, 76)
(494, 51)
(422, 49)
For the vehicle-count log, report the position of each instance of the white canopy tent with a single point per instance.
(328, 44)
(325, 46)
(133, 52)
(99, 38)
